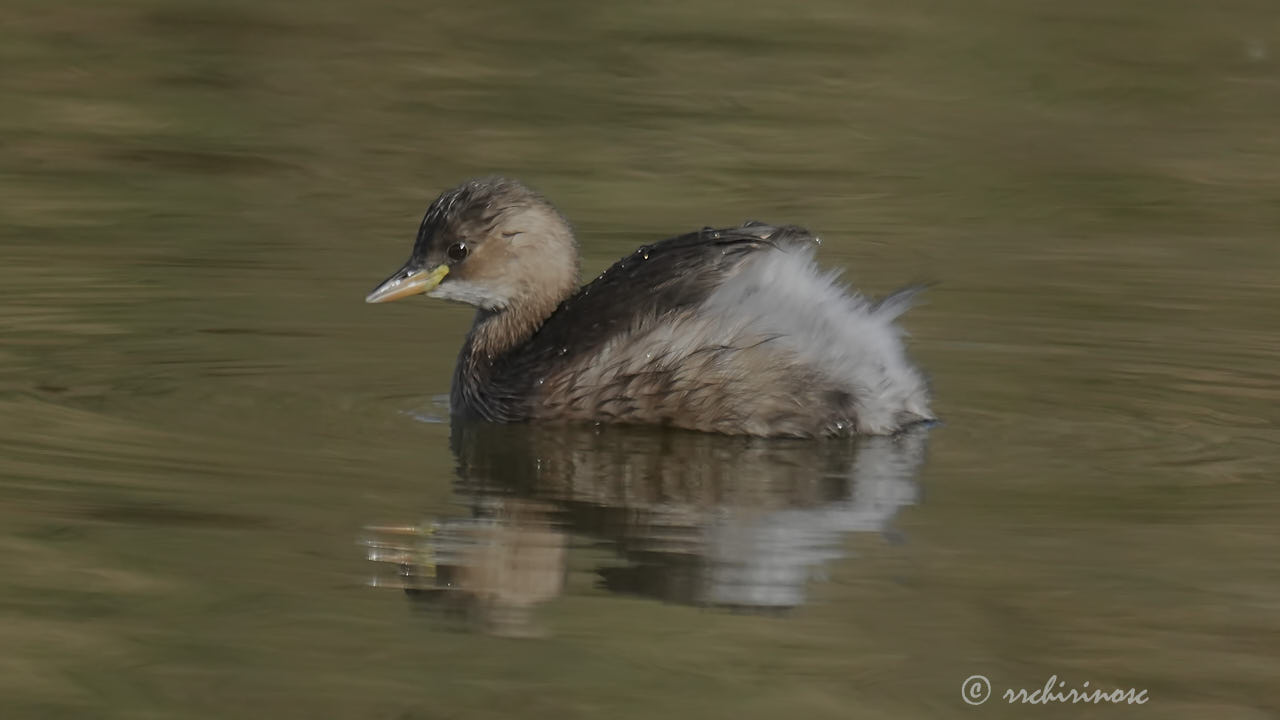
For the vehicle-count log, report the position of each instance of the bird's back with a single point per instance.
(734, 331)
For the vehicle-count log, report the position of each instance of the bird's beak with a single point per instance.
(408, 280)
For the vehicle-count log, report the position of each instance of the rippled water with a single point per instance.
(211, 450)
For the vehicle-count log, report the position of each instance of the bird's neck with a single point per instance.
(497, 334)
(493, 336)
(494, 333)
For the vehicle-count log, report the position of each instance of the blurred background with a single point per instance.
(206, 435)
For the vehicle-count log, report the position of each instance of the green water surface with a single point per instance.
(199, 416)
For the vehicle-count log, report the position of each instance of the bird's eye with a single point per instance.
(457, 252)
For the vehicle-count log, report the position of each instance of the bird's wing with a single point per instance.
(666, 277)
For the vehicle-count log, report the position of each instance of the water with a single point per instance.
(204, 431)
(697, 519)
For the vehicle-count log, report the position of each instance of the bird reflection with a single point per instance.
(694, 518)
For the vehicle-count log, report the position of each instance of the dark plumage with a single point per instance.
(730, 330)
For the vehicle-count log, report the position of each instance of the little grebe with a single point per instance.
(734, 331)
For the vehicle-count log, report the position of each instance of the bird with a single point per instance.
(733, 330)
